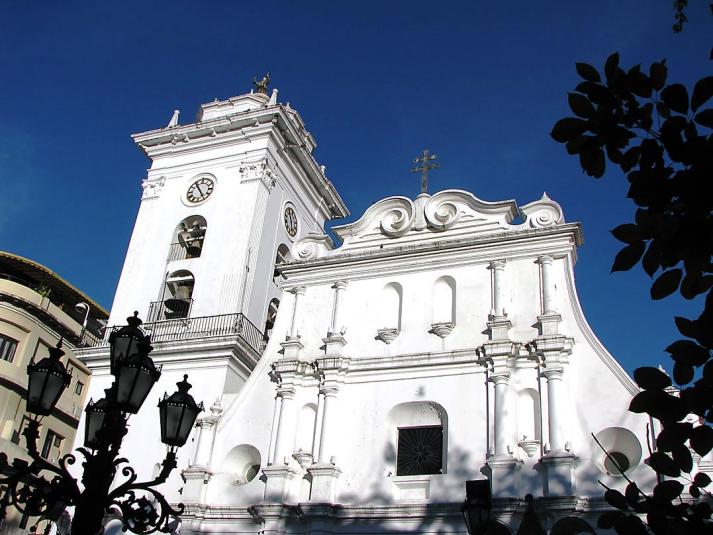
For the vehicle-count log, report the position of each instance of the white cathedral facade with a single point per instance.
(355, 388)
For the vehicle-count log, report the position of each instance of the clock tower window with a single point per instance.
(188, 238)
(176, 298)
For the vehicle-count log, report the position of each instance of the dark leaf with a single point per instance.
(630, 159)
(702, 479)
(694, 491)
(666, 284)
(628, 257)
(651, 260)
(659, 404)
(683, 373)
(673, 436)
(656, 519)
(705, 118)
(580, 105)
(688, 352)
(607, 519)
(702, 92)
(630, 525)
(588, 72)
(683, 459)
(675, 96)
(667, 491)
(686, 327)
(663, 464)
(657, 73)
(627, 233)
(611, 66)
(592, 161)
(702, 439)
(632, 493)
(568, 128)
(663, 110)
(616, 499)
(650, 378)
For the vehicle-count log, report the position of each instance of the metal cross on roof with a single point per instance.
(426, 165)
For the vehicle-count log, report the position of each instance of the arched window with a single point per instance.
(188, 238)
(419, 430)
(281, 256)
(176, 299)
(444, 302)
(271, 317)
(391, 304)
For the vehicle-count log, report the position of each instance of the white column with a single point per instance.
(317, 437)
(325, 445)
(502, 423)
(275, 425)
(548, 290)
(207, 428)
(497, 267)
(296, 310)
(285, 423)
(555, 399)
(339, 287)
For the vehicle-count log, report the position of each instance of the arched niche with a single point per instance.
(622, 450)
(418, 433)
(188, 238)
(307, 420)
(242, 464)
(444, 300)
(529, 421)
(391, 306)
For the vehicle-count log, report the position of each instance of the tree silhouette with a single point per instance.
(661, 137)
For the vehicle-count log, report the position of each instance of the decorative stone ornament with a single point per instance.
(442, 329)
(531, 447)
(387, 335)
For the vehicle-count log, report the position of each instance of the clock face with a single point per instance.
(290, 221)
(200, 190)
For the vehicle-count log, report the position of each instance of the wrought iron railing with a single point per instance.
(183, 250)
(169, 309)
(202, 327)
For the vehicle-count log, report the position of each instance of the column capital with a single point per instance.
(340, 285)
(545, 259)
(554, 373)
(297, 290)
(497, 265)
(500, 377)
(286, 391)
(329, 391)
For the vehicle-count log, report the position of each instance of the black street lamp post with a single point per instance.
(40, 488)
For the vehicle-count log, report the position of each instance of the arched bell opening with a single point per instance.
(176, 298)
(188, 238)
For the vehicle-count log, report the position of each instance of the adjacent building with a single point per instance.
(38, 308)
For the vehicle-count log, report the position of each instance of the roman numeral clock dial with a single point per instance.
(290, 219)
(200, 190)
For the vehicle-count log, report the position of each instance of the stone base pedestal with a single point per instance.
(559, 478)
(503, 476)
(333, 344)
(292, 347)
(549, 324)
(197, 478)
(279, 482)
(325, 477)
(499, 327)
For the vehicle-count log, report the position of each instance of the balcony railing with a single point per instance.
(202, 327)
(169, 309)
(183, 250)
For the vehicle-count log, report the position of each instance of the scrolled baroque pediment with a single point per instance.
(455, 213)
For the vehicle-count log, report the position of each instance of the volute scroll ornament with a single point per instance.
(313, 246)
(442, 214)
(397, 219)
(543, 213)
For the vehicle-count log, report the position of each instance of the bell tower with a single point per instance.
(225, 197)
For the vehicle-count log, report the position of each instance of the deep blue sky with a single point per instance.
(479, 83)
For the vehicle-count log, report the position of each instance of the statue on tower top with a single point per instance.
(261, 86)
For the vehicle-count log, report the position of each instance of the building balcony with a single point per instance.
(204, 327)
